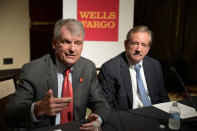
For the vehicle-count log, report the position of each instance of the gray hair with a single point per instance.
(137, 29)
(73, 25)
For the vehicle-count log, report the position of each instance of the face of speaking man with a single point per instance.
(69, 47)
(137, 48)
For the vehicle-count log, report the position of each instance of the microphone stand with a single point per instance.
(189, 96)
(121, 121)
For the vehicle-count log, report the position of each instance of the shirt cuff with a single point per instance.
(32, 114)
(101, 121)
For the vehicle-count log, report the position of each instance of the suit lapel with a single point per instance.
(52, 76)
(126, 78)
(77, 86)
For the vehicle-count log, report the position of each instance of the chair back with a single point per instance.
(7, 88)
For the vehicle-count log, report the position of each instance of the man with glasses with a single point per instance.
(132, 79)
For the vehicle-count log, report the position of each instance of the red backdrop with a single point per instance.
(100, 19)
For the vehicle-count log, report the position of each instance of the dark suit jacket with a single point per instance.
(115, 79)
(40, 75)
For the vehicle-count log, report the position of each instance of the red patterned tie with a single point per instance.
(67, 113)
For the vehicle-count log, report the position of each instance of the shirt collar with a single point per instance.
(130, 63)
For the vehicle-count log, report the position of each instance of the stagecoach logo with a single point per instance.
(100, 19)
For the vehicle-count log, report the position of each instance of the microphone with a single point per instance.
(122, 122)
(189, 96)
(116, 107)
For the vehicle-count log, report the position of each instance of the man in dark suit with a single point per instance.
(39, 101)
(129, 86)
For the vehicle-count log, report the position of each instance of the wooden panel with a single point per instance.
(43, 15)
(45, 10)
(40, 40)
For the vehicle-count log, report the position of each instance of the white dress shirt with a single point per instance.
(60, 78)
(137, 102)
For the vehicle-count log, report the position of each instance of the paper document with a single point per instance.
(186, 111)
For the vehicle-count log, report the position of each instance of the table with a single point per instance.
(72, 126)
(146, 119)
(142, 119)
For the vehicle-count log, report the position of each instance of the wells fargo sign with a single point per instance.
(100, 19)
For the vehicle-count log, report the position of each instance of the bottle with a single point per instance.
(174, 117)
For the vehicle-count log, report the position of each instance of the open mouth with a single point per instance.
(70, 55)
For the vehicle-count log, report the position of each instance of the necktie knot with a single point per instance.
(137, 67)
(67, 71)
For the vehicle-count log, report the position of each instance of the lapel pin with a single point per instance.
(81, 80)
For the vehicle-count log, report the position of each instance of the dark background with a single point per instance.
(173, 23)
